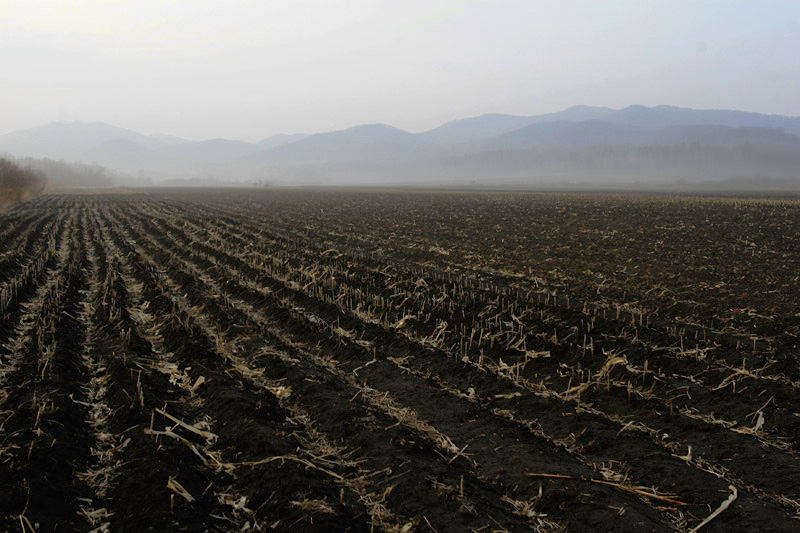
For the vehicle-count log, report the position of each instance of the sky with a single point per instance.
(244, 69)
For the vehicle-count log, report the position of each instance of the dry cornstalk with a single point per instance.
(313, 506)
(635, 490)
(178, 489)
(556, 476)
(724, 505)
(194, 429)
(639, 491)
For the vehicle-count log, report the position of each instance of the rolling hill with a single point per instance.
(581, 140)
(361, 143)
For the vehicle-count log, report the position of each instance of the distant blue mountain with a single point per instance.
(368, 142)
(279, 140)
(122, 154)
(561, 134)
(68, 139)
(485, 126)
(663, 116)
(661, 138)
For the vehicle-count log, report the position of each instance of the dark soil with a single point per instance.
(358, 360)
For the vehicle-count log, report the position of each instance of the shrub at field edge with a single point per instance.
(18, 184)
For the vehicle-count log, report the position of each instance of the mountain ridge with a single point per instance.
(577, 132)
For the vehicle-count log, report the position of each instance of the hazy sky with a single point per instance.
(250, 69)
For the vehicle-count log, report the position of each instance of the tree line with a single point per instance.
(19, 183)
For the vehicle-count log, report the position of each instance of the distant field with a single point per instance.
(308, 360)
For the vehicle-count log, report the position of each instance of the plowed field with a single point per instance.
(307, 360)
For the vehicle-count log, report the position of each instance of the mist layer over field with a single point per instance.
(436, 94)
(578, 147)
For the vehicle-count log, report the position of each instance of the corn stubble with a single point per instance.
(364, 361)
